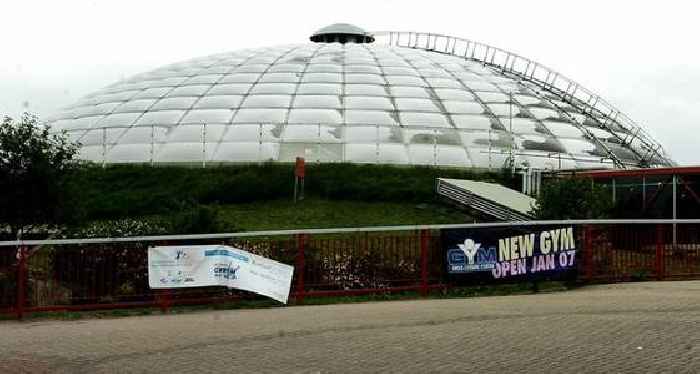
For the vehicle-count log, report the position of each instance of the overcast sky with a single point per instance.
(642, 57)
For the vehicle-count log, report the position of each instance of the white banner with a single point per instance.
(218, 265)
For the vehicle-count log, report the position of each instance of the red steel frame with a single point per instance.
(22, 254)
(300, 264)
(682, 170)
(609, 253)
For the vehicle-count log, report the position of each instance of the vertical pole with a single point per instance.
(301, 191)
(153, 142)
(21, 281)
(424, 242)
(489, 148)
(559, 160)
(435, 148)
(260, 142)
(204, 144)
(300, 267)
(299, 173)
(614, 191)
(318, 146)
(164, 297)
(296, 187)
(660, 268)
(376, 152)
(644, 193)
(675, 209)
(510, 129)
(104, 146)
(588, 251)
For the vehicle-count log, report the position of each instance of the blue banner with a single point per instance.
(514, 253)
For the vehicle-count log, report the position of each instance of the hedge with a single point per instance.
(135, 190)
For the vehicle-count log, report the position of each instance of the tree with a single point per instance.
(33, 164)
(572, 198)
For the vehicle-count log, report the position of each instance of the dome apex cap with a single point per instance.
(342, 33)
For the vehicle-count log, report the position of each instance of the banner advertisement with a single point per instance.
(218, 265)
(510, 253)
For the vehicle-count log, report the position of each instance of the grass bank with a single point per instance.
(321, 213)
(122, 191)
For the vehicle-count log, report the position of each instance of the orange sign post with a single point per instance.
(299, 172)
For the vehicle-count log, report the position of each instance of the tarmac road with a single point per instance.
(633, 327)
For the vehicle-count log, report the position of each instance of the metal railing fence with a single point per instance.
(110, 273)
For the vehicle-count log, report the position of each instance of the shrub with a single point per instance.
(572, 198)
(136, 190)
(201, 220)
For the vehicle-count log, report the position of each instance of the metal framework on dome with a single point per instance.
(409, 98)
(603, 113)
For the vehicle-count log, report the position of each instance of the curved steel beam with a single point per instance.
(650, 152)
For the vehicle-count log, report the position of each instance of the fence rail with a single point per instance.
(106, 273)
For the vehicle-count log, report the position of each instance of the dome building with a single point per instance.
(351, 96)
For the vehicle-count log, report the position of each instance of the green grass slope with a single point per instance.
(139, 199)
(133, 191)
(319, 213)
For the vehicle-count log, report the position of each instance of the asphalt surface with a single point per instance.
(633, 327)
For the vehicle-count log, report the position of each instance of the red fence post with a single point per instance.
(300, 267)
(660, 261)
(588, 251)
(21, 281)
(424, 242)
(164, 297)
(164, 300)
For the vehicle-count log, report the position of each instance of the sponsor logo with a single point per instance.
(178, 257)
(180, 254)
(226, 271)
(226, 253)
(470, 256)
(174, 278)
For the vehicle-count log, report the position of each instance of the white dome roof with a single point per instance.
(331, 102)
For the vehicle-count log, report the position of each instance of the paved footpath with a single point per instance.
(634, 327)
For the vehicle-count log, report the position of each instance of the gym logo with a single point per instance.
(470, 257)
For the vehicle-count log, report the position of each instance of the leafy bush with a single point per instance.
(201, 220)
(118, 228)
(572, 198)
(33, 163)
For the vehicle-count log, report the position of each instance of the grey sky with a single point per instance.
(640, 56)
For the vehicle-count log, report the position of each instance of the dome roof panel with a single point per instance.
(356, 100)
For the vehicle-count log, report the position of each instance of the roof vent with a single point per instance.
(341, 33)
